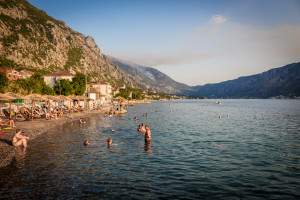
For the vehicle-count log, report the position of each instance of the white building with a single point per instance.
(26, 73)
(100, 91)
(56, 76)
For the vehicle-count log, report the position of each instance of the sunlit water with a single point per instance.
(252, 154)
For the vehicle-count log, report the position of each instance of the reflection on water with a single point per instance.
(20, 154)
(254, 153)
(147, 147)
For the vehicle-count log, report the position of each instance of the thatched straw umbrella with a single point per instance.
(80, 98)
(62, 97)
(4, 97)
(51, 97)
(16, 97)
(34, 97)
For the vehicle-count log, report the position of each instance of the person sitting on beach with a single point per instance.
(142, 129)
(81, 122)
(9, 121)
(19, 139)
(147, 134)
(86, 142)
(50, 114)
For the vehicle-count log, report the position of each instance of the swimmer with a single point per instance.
(147, 134)
(220, 116)
(139, 128)
(227, 115)
(81, 122)
(142, 129)
(135, 118)
(113, 130)
(86, 142)
(109, 141)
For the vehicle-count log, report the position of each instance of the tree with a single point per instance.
(79, 84)
(3, 81)
(63, 87)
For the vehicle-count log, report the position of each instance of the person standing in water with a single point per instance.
(147, 134)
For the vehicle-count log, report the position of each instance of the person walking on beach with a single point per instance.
(147, 134)
(19, 139)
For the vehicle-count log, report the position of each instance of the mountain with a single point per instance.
(33, 39)
(283, 81)
(150, 78)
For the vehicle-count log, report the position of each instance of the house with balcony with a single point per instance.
(100, 91)
(11, 74)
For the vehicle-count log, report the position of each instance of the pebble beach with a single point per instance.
(33, 129)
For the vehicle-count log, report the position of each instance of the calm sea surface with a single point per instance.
(252, 154)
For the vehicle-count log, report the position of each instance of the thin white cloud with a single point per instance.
(229, 49)
(217, 19)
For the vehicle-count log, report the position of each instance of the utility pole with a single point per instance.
(85, 80)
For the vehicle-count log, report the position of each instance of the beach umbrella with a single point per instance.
(4, 97)
(88, 99)
(34, 97)
(62, 97)
(16, 97)
(51, 97)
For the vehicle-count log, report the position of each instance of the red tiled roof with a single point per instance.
(61, 73)
(29, 72)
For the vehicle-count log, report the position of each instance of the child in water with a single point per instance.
(86, 142)
(139, 128)
(81, 122)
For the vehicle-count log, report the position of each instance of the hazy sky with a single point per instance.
(193, 41)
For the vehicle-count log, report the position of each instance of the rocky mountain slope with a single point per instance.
(31, 38)
(283, 81)
(150, 78)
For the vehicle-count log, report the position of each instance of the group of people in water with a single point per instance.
(20, 140)
(144, 129)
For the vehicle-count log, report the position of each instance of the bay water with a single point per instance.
(239, 149)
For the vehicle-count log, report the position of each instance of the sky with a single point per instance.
(193, 41)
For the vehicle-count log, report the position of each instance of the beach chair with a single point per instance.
(26, 114)
(7, 115)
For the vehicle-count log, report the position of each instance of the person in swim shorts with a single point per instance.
(147, 134)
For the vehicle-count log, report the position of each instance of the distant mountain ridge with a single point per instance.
(283, 81)
(150, 78)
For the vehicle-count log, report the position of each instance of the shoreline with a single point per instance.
(33, 129)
